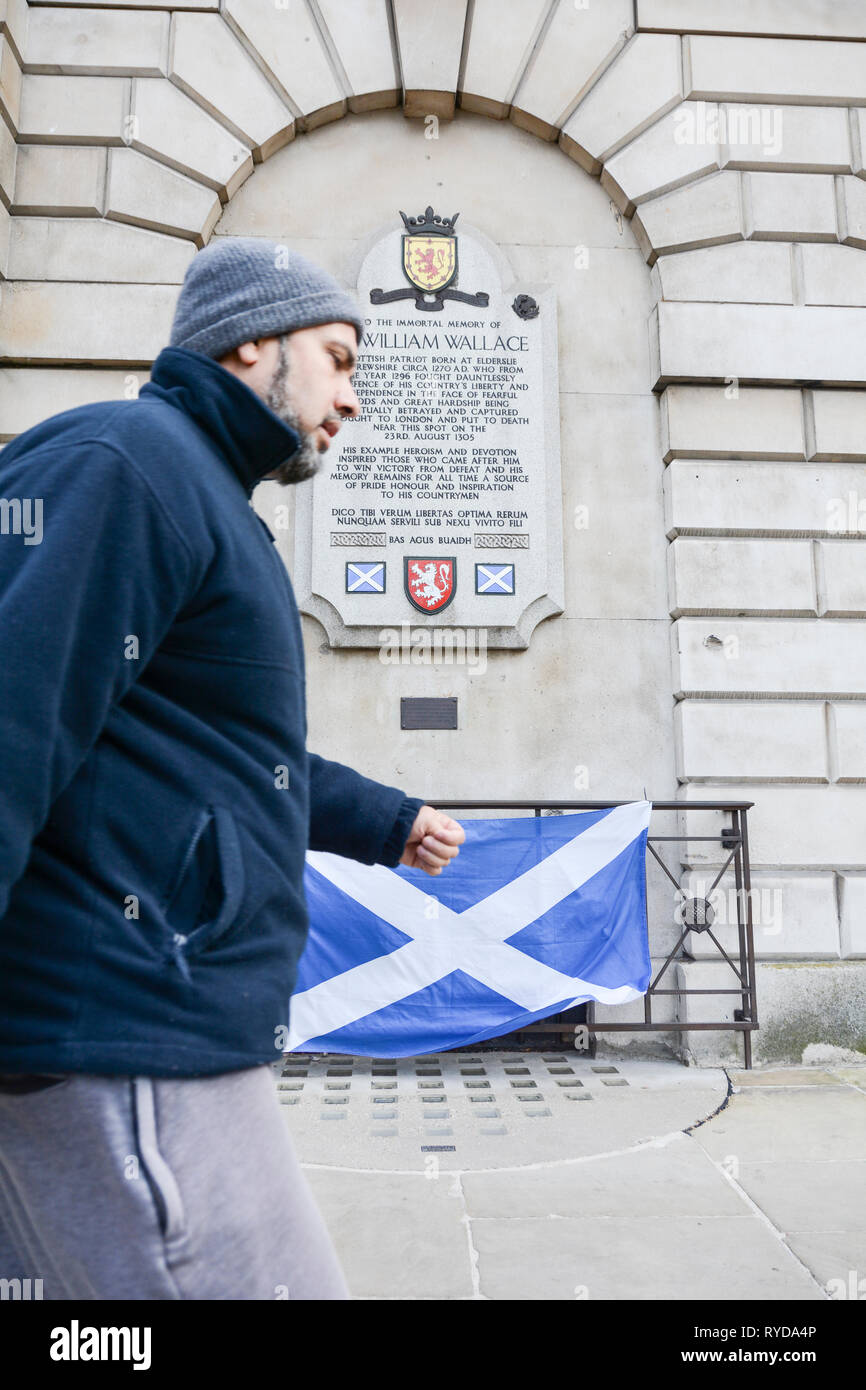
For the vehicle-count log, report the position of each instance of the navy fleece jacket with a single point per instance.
(157, 797)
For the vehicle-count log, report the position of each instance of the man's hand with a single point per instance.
(433, 841)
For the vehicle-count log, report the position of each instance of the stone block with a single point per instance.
(712, 422)
(60, 179)
(844, 19)
(809, 138)
(29, 395)
(858, 123)
(614, 356)
(852, 229)
(102, 43)
(63, 248)
(790, 827)
(597, 429)
(361, 39)
(842, 587)
(14, 15)
(789, 207)
(848, 732)
(833, 275)
(853, 924)
(76, 110)
(716, 423)
(10, 82)
(739, 577)
(498, 53)
(761, 69)
(772, 657)
(286, 42)
(740, 272)
(674, 151)
(169, 125)
(766, 342)
(430, 40)
(642, 85)
(5, 236)
(575, 49)
(86, 323)
(798, 1004)
(762, 499)
(701, 214)
(812, 1005)
(840, 425)
(8, 157)
(750, 741)
(792, 915)
(202, 5)
(208, 63)
(150, 195)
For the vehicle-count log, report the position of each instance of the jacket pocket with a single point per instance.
(209, 889)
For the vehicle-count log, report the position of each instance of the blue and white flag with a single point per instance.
(365, 576)
(533, 916)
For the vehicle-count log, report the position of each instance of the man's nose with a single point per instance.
(347, 402)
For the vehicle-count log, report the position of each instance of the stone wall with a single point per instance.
(709, 157)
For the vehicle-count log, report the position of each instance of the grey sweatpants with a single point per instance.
(144, 1188)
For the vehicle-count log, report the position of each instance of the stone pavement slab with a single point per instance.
(819, 1124)
(482, 1176)
(620, 1258)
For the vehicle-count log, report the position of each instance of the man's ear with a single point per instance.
(249, 353)
(244, 355)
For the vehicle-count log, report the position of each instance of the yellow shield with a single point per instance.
(430, 262)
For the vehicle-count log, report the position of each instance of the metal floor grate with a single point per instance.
(485, 1088)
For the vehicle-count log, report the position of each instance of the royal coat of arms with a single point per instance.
(429, 264)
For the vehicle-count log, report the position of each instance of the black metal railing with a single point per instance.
(579, 1024)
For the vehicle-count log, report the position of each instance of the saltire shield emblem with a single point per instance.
(535, 915)
(494, 579)
(365, 576)
(430, 584)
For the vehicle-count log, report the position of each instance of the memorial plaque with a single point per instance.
(440, 506)
(428, 712)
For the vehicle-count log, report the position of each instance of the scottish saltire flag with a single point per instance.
(494, 579)
(533, 916)
(365, 576)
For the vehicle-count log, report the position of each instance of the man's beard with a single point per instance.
(307, 459)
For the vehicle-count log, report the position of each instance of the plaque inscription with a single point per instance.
(456, 450)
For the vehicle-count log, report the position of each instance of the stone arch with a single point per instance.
(615, 573)
(761, 301)
(155, 119)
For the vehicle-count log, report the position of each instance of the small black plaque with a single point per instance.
(433, 712)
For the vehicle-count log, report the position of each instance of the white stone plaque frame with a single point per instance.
(534, 545)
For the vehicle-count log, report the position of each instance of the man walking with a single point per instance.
(157, 803)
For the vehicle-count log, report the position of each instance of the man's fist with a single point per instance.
(433, 841)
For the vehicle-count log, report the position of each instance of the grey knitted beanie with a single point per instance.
(242, 288)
